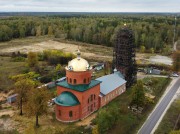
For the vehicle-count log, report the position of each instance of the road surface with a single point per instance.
(155, 116)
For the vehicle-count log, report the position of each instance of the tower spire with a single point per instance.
(78, 54)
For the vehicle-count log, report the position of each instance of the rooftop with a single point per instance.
(78, 64)
(67, 99)
(79, 88)
(110, 82)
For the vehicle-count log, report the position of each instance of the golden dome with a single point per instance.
(78, 64)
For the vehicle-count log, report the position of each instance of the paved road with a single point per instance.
(155, 116)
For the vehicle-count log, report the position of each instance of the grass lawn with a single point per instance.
(9, 68)
(170, 118)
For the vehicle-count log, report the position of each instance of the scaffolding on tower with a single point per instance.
(124, 55)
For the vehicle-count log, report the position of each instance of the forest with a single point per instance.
(152, 31)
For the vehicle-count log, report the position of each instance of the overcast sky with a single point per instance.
(90, 5)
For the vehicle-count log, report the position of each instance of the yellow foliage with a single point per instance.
(95, 130)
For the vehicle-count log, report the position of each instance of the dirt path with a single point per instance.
(86, 121)
(7, 112)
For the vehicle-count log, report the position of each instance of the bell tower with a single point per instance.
(124, 55)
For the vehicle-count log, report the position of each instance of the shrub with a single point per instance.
(107, 118)
(56, 57)
(45, 79)
(18, 59)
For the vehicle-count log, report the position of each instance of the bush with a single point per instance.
(56, 57)
(32, 59)
(45, 79)
(6, 116)
(18, 59)
(107, 118)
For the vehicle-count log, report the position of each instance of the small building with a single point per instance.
(98, 66)
(12, 98)
(153, 71)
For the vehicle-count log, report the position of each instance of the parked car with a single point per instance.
(174, 75)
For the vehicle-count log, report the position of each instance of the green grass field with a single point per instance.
(9, 68)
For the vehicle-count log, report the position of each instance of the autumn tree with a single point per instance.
(22, 86)
(138, 95)
(95, 130)
(24, 83)
(50, 31)
(142, 49)
(32, 59)
(58, 68)
(37, 103)
(176, 61)
(152, 50)
(30, 75)
(166, 50)
(38, 31)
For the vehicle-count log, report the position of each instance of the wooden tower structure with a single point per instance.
(124, 55)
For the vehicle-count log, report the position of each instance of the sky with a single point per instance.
(89, 5)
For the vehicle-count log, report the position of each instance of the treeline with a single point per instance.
(151, 31)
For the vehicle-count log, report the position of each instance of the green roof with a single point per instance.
(80, 88)
(67, 99)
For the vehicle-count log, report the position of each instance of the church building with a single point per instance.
(79, 95)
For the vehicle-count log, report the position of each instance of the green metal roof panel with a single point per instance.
(80, 88)
(67, 99)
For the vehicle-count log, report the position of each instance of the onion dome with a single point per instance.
(67, 99)
(78, 64)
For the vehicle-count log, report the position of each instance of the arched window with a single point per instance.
(94, 96)
(70, 80)
(74, 81)
(91, 97)
(84, 80)
(59, 112)
(70, 113)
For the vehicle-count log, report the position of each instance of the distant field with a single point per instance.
(38, 44)
(89, 51)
